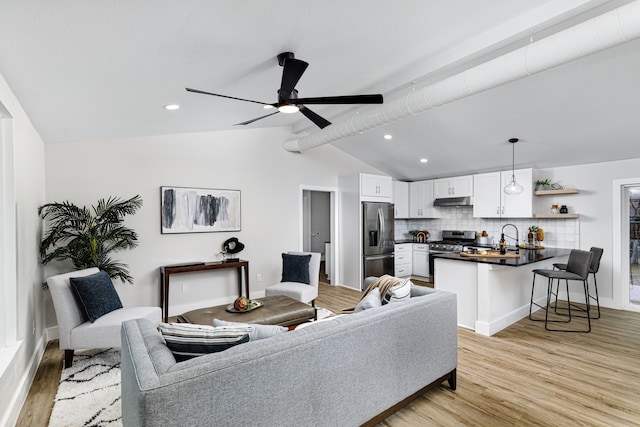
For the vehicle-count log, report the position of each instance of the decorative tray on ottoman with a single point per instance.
(253, 304)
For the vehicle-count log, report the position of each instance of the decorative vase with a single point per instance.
(563, 209)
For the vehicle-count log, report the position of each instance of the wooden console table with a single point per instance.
(167, 270)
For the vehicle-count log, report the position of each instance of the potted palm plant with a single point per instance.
(87, 237)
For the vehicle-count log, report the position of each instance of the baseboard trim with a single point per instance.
(24, 383)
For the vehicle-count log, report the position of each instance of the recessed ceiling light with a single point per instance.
(268, 106)
(388, 136)
(424, 160)
(172, 107)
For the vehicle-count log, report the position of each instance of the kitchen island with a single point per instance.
(494, 293)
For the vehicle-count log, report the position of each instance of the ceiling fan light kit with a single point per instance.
(288, 101)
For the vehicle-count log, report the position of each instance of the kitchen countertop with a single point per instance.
(527, 256)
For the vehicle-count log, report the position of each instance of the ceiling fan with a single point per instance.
(288, 101)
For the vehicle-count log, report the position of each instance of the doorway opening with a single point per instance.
(633, 194)
(626, 243)
(318, 228)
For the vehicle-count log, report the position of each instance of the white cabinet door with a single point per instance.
(487, 199)
(416, 200)
(462, 186)
(442, 188)
(401, 199)
(457, 186)
(421, 200)
(490, 200)
(376, 187)
(519, 205)
(420, 260)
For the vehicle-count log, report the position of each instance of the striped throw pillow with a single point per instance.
(398, 293)
(186, 340)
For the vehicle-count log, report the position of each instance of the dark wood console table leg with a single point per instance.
(167, 270)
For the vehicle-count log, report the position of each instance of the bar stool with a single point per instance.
(577, 269)
(593, 269)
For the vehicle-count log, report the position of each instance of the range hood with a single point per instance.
(453, 201)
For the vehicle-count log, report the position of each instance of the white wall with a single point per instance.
(251, 161)
(16, 372)
(594, 204)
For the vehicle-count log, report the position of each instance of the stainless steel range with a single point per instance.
(452, 241)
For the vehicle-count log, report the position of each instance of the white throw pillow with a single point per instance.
(186, 340)
(258, 332)
(399, 293)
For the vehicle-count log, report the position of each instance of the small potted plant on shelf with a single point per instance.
(542, 184)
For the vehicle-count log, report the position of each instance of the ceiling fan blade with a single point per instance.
(225, 96)
(349, 99)
(291, 73)
(319, 121)
(256, 119)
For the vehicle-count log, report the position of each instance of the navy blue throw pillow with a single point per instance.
(96, 294)
(295, 268)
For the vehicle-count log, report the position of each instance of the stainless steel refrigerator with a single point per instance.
(378, 239)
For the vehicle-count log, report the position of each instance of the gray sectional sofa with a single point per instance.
(352, 370)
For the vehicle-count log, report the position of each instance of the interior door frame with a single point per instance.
(620, 234)
(335, 247)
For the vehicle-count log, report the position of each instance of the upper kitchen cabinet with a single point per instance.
(401, 199)
(376, 188)
(456, 186)
(421, 200)
(490, 200)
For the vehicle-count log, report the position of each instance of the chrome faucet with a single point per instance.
(502, 235)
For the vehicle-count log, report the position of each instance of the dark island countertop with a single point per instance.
(527, 256)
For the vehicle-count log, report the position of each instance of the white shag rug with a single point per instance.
(89, 391)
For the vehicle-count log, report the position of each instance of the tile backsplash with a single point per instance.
(558, 233)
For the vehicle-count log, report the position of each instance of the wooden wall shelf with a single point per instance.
(554, 192)
(556, 216)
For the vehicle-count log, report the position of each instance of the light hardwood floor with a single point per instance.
(522, 376)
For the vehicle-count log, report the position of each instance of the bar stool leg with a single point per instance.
(595, 286)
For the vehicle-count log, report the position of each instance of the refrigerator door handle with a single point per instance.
(381, 227)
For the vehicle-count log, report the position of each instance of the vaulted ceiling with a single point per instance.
(94, 70)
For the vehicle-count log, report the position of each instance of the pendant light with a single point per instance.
(513, 187)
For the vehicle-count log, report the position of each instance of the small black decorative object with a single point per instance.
(232, 246)
(563, 209)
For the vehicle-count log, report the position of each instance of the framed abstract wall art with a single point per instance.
(199, 210)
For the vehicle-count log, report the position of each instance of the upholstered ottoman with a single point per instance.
(276, 310)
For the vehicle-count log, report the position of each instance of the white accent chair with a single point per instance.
(77, 333)
(306, 293)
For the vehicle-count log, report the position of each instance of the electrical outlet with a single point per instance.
(258, 277)
(33, 329)
(185, 288)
